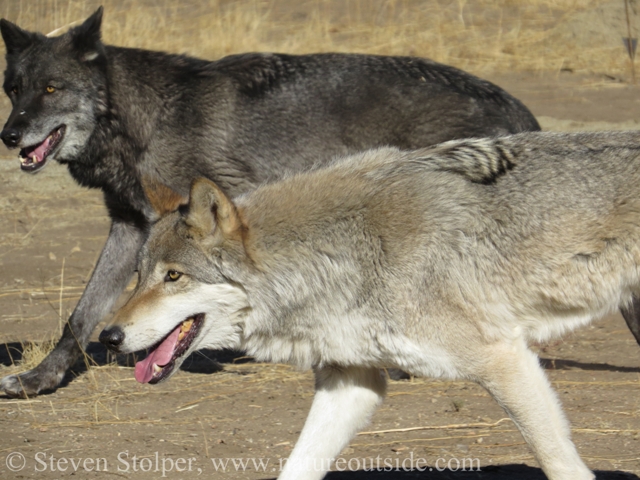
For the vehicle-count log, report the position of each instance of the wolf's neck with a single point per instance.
(140, 93)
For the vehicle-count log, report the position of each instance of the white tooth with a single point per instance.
(156, 368)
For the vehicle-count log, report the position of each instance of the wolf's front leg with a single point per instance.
(111, 275)
(344, 402)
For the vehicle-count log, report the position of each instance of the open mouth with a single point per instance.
(33, 158)
(162, 357)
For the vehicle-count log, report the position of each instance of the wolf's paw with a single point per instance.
(29, 383)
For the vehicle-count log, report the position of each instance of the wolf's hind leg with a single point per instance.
(513, 376)
(344, 401)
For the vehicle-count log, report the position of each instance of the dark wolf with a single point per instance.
(141, 125)
(400, 259)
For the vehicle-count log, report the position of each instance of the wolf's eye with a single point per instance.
(50, 89)
(14, 90)
(172, 276)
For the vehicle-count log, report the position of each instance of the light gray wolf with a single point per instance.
(142, 125)
(443, 262)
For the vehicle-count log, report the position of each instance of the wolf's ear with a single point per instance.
(15, 38)
(86, 37)
(211, 211)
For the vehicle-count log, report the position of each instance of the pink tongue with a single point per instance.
(160, 356)
(40, 150)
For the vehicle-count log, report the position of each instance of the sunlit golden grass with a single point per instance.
(478, 35)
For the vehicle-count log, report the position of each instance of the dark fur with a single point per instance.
(158, 121)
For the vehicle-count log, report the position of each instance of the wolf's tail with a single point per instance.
(481, 160)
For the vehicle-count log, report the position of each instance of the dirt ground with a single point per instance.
(224, 408)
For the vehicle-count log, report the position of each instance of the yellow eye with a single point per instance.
(172, 276)
(51, 89)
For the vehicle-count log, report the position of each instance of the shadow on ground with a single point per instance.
(210, 361)
(203, 361)
(553, 364)
(492, 472)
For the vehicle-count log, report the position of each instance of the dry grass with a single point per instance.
(478, 35)
(34, 352)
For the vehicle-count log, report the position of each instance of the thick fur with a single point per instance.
(141, 125)
(401, 259)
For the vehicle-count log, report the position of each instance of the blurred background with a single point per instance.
(478, 35)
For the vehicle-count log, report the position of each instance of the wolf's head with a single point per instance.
(57, 87)
(185, 298)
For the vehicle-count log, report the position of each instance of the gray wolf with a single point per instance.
(142, 125)
(444, 262)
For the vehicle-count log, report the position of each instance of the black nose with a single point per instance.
(112, 338)
(10, 137)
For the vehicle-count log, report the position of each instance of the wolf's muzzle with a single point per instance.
(112, 338)
(11, 137)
